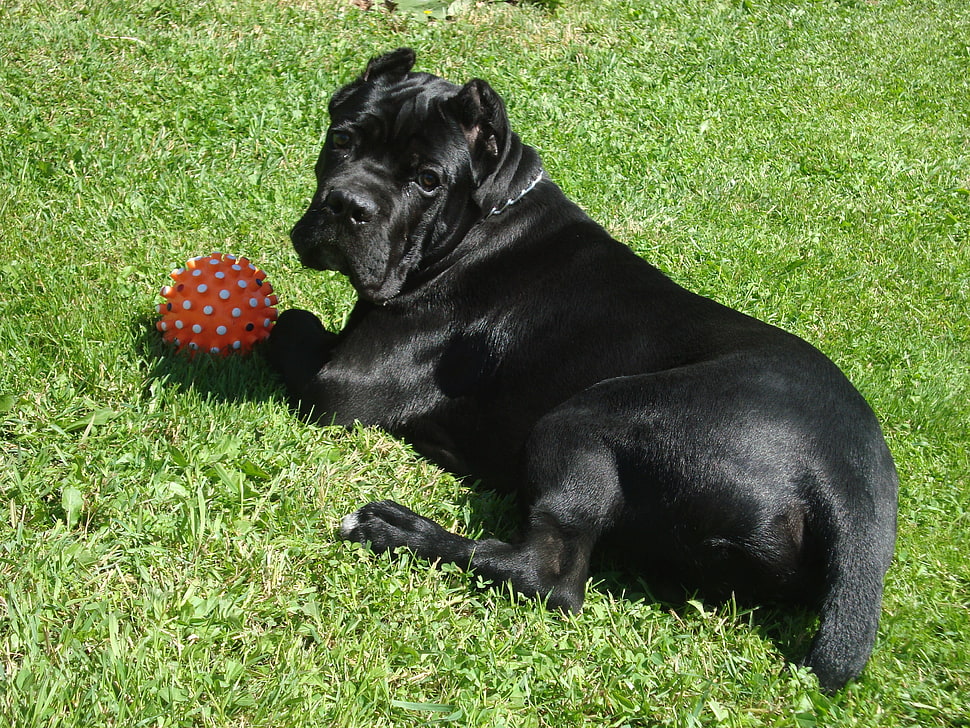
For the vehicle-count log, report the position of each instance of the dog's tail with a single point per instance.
(859, 550)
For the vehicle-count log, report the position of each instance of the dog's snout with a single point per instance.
(350, 206)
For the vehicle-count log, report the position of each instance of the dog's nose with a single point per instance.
(351, 206)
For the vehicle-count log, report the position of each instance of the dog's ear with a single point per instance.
(394, 65)
(481, 114)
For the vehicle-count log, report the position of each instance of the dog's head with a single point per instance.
(410, 164)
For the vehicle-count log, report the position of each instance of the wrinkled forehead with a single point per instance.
(393, 110)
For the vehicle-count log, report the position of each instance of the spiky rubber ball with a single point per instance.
(219, 304)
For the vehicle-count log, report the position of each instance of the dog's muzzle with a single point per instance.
(314, 240)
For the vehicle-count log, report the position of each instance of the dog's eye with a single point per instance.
(428, 180)
(340, 139)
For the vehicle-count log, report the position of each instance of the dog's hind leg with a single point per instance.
(576, 496)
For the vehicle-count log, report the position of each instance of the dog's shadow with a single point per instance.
(788, 629)
(216, 378)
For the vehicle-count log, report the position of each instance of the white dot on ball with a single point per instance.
(202, 288)
(253, 302)
(214, 350)
(224, 294)
(193, 345)
(163, 326)
(236, 312)
(196, 329)
(221, 330)
(179, 324)
(208, 310)
(237, 267)
(186, 305)
(266, 323)
(267, 302)
(241, 284)
(220, 274)
(214, 261)
(196, 272)
(237, 345)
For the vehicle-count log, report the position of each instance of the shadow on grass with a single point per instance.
(789, 628)
(231, 378)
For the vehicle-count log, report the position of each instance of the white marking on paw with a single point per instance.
(348, 523)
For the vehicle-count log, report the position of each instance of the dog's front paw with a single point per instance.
(387, 526)
(294, 332)
(297, 348)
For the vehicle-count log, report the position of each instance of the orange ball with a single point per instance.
(219, 304)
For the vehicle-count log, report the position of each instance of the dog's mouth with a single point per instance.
(375, 288)
(324, 257)
(317, 248)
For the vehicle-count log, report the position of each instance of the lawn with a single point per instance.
(167, 549)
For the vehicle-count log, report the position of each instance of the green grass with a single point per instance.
(167, 555)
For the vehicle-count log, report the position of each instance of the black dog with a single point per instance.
(508, 336)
